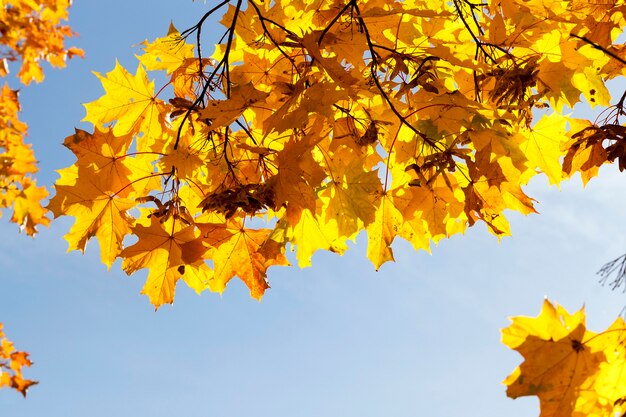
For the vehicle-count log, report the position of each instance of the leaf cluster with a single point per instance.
(31, 32)
(11, 363)
(314, 120)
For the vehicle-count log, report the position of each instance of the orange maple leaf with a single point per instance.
(167, 249)
(11, 364)
(246, 253)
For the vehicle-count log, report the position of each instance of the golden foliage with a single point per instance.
(323, 118)
(11, 364)
(31, 33)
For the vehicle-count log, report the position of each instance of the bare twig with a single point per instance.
(616, 267)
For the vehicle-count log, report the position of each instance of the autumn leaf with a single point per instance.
(349, 196)
(109, 157)
(543, 145)
(585, 150)
(168, 53)
(12, 363)
(223, 112)
(609, 388)
(27, 209)
(98, 212)
(572, 370)
(169, 250)
(246, 253)
(381, 232)
(310, 234)
(129, 101)
(298, 175)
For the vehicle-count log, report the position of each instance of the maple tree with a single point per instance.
(314, 120)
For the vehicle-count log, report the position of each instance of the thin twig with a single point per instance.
(224, 64)
(374, 68)
(598, 47)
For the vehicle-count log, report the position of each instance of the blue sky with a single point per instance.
(418, 338)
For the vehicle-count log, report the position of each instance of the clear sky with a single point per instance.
(418, 338)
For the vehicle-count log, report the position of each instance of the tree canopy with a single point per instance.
(324, 118)
(315, 120)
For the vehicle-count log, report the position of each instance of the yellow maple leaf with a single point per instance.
(224, 112)
(27, 209)
(310, 234)
(381, 232)
(186, 158)
(438, 210)
(298, 175)
(108, 157)
(128, 101)
(166, 249)
(349, 197)
(609, 388)
(246, 253)
(168, 53)
(543, 144)
(572, 370)
(98, 212)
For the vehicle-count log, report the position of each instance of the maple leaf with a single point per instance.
(572, 370)
(310, 234)
(169, 250)
(256, 69)
(608, 393)
(382, 231)
(11, 364)
(297, 178)
(168, 53)
(436, 211)
(350, 195)
(543, 145)
(129, 101)
(108, 156)
(27, 209)
(186, 159)
(246, 253)
(98, 212)
(224, 112)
